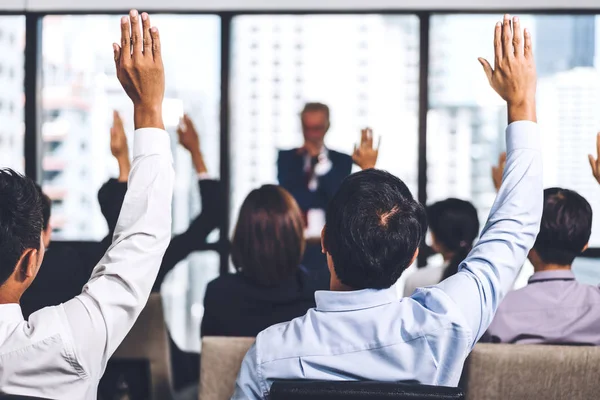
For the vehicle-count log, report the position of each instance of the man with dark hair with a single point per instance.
(61, 352)
(361, 329)
(553, 308)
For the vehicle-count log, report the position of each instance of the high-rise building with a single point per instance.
(12, 36)
(364, 67)
(564, 43)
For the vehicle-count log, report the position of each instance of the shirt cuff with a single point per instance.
(149, 141)
(523, 135)
(204, 176)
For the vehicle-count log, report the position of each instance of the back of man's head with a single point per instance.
(565, 228)
(46, 207)
(20, 219)
(374, 227)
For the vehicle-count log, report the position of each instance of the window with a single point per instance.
(321, 58)
(12, 105)
(467, 115)
(80, 91)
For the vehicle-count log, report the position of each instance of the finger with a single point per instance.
(378, 143)
(363, 137)
(497, 44)
(125, 38)
(506, 37)
(155, 44)
(502, 159)
(117, 117)
(117, 53)
(517, 37)
(136, 38)
(146, 36)
(598, 145)
(355, 151)
(188, 121)
(593, 164)
(487, 68)
(370, 138)
(528, 48)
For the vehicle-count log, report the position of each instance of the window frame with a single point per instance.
(32, 87)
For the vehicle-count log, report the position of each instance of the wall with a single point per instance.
(56, 5)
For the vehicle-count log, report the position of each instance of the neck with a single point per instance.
(336, 286)
(8, 295)
(551, 267)
(447, 255)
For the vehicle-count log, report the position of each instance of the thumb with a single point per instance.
(487, 68)
(593, 164)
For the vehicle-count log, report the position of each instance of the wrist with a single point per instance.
(148, 116)
(524, 110)
(124, 168)
(198, 161)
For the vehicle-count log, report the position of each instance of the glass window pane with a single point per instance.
(79, 93)
(12, 46)
(467, 119)
(365, 67)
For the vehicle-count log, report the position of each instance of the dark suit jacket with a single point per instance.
(235, 306)
(292, 177)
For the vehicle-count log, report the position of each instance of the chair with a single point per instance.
(326, 390)
(148, 340)
(509, 371)
(220, 364)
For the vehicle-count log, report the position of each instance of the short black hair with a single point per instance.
(373, 228)
(46, 207)
(566, 226)
(316, 107)
(21, 219)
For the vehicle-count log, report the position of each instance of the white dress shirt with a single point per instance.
(378, 335)
(62, 351)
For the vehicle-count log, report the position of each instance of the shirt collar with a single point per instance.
(11, 313)
(331, 301)
(559, 274)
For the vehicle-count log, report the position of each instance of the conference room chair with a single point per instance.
(325, 390)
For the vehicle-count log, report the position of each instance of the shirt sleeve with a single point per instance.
(102, 315)
(489, 271)
(248, 384)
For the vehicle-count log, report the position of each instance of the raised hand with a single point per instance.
(188, 136)
(595, 162)
(190, 140)
(498, 171)
(513, 76)
(118, 139)
(140, 69)
(365, 155)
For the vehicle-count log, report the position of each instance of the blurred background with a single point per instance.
(243, 70)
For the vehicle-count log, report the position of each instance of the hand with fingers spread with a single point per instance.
(365, 155)
(513, 76)
(119, 147)
(190, 140)
(498, 171)
(140, 69)
(595, 162)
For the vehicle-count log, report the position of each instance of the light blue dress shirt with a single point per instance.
(376, 335)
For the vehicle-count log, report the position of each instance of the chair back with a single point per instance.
(509, 371)
(344, 390)
(220, 364)
(148, 341)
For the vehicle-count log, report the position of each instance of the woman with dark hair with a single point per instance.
(453, 227)
(270, 286)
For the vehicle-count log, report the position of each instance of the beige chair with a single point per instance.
(522, 372)
(221, 360)
(149, 340)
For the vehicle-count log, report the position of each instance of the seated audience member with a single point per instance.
(61, 352)
(270, 286)
(554, 308)
(112, 193)
(361, 329)
(453, 226)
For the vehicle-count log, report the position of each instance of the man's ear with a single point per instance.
(27, 266)
(323, 249)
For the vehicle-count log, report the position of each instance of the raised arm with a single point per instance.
(489, 271)
(100, 318)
